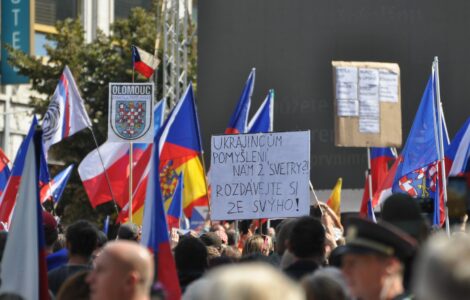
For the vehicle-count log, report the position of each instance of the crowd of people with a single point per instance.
(311, 257)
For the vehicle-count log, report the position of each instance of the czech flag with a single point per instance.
(458, 154)
(155, 231)
(23, 270)
(179, 147)
(144, 62)
(239, 120)
(380, 158)
(175, 211)
(55, 188)
(263, 119)
(66, 113)
(4, 171)
(8, 198)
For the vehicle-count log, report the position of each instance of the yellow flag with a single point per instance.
(334, 202)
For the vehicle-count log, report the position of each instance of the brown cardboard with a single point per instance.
(347, 128)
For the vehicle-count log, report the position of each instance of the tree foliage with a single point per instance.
(94, 65)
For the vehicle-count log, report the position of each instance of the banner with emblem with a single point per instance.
(130, 114)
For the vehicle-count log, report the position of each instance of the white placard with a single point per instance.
(368, 84)
(346, 83)
(130, 113)
(263, 175)
(369, 125)
(347, 108)
(388, 86)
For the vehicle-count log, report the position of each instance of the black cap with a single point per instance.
(366, 237)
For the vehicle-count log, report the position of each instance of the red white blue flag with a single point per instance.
(155, 230)
(458, 153)
(66, 113)
(56, 187)
(144, 62)
(23, 270)
(239, 120)
(263, 120)
(8, 198)
(4, 171)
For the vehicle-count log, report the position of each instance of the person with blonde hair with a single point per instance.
(248, 281)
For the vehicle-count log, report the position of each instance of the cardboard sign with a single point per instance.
(367, 104)
(130, 114)
(263, 175)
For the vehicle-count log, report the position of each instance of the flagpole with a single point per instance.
(131, 162)
(104, 169)
(369, 174)
(441, 144)
(315, 195)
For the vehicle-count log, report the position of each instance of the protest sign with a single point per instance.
(130, 114)
(263, 175)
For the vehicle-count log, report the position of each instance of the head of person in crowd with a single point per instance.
(325, 284)
(244, 282)
(223, 236)
(51, 233)
(3, 242)
(404, 212)
(307, 239)
(231, 252)
(191, 259)
(102, 240)
(443, 268)
(217, 227)
(373, 259)
(256, 244)
(307, 244)
(123, 270)
(212, 239)
(129, 231)
(232, 237)
(81, 240)
(75, 287)
(283, 231)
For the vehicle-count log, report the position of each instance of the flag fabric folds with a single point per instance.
(458, 154)
(55, 188)
(418, 171)
(239, 120)
(66, 113)
(263, 119)
(179, 147)
(144, 62)
(155, 230)
(175, 211)
(116, 163)
(4, 171)
(334, 202)
(8, 198)
(379, 159)
(23, 270)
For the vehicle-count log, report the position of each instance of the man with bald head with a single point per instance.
(123, 270)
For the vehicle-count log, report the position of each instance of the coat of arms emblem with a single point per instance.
(131, 113)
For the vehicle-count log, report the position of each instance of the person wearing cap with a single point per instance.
(404, 212)
(373, 259)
